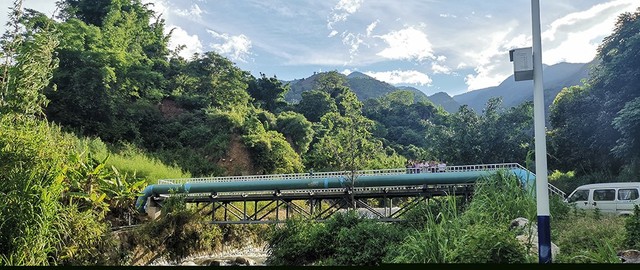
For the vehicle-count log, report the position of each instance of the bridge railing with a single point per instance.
(308, 175)
(321, 175)
(311, 175)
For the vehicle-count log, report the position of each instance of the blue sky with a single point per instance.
(434, 45)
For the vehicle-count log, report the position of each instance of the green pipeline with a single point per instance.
(320, 183)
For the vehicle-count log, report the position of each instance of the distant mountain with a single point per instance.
(367, 87)
(514, 93)
(447, 102)
(299, 86)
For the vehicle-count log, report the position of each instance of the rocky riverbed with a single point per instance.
(249, 255)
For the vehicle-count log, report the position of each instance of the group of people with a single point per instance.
(423, 166)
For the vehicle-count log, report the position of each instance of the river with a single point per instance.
(249, 255)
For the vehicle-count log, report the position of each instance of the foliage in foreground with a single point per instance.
(178, 232)
(441, 233)
(345, 239)
(478, 234)
(588, 237)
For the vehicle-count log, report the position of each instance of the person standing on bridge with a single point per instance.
(442, 166)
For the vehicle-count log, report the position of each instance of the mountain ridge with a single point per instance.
(514, 93)
(366, 87)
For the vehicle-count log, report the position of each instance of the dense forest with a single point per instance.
(94, 106)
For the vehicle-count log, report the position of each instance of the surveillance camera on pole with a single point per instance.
(527, 65)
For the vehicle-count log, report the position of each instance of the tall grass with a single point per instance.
(54, 194)
(32, 155)
(498, 199)
(436, 240)
(479, 234)
(133, 161)
(589, 237)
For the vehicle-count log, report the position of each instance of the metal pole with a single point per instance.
(542, 190)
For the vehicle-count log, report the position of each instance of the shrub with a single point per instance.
(178, 232)
(364, 244)
(558, 208)
(487, 243)
(88, 241)
(582, 238)
(296, 243)
(632, 227)
(435, 240)
(498, 199)
(419, 217)
(271, 152)
(563, 181)
(134, 161)
(344, 239)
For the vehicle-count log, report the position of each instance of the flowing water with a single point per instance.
(255, 255)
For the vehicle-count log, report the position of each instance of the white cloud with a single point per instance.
(491, 63)
(401, 77)
(236, 47)
(195, 11)
(485, 76)
(440, 69)
(584, 30)
(566, 52)
(346, 72)
(349, 6)
(371, 27)
(353, 41)
(180, 37)
(573, 37)
(406, 44)
(315, 58)
(342, 10)
(158, 6)
(447, 15)
(333, 33)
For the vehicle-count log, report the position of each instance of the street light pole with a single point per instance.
(542, 189)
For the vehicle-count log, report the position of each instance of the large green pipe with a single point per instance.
(315, 183)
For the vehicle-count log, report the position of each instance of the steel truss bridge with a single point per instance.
(260, 199)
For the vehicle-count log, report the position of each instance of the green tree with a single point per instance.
(330, 82)
(585, 120)
(268, 92)
(347, 143)
(460, 142)
(106, 65)
(506, 134)
(628, 124)
(315, 104)
(271, 153)
(572, 138)
(27, 62)
(297, 129)
(405, 121)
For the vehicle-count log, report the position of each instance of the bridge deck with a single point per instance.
(323, 193)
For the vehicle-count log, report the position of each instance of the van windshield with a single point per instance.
(579, 195)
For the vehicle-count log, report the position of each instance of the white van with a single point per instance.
(614, 198)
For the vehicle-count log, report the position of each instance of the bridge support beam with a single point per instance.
(153, 209)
